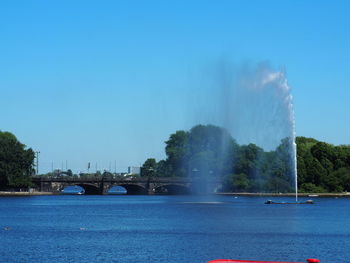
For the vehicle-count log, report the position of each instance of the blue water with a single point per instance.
(122, 228)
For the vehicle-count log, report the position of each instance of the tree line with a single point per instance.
(208, 151)
(323, 167)
(16, 162)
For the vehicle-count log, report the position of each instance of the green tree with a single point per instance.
(69, 172)
(247, 159)
(343, 175)
(322, 166)
(149, 167)
(210, 150)
(240, 182)
(206, 151)
(177, 152)
(322, 150)
(227, 183)
(311, 188)
(16, 162)
(163, 169)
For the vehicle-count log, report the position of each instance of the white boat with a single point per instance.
(74, 191)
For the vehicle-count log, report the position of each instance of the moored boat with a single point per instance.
(270, 202)
(73, 190)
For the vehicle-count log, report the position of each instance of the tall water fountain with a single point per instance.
(254, 103)
(281, 83)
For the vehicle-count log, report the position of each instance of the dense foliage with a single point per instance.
(16, 162)
(323, 167)
(210, 153)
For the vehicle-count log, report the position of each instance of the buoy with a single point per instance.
(313, 260)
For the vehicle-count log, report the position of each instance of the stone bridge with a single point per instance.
(133, 186)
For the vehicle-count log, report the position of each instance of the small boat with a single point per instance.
(310, 260)
(270, 202)
(73, 191)
(312, 195)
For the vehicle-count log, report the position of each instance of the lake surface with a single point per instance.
(123, 228)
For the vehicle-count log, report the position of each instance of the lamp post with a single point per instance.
(37, 162)
(150, 171)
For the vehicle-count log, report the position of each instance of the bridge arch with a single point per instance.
(117, 190)
(133, 189)
(90, 189)
(172, 189)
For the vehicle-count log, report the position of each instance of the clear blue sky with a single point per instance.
(104, 81)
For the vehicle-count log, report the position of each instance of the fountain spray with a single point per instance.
(282, 84)
(254, 104)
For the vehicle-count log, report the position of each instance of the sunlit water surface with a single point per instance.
(171, 229)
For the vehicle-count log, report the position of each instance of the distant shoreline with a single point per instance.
(289, 194)
(8, 193)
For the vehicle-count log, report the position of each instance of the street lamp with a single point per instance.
(150, 170)
(37, 162)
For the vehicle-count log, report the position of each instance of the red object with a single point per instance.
(310, 260)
